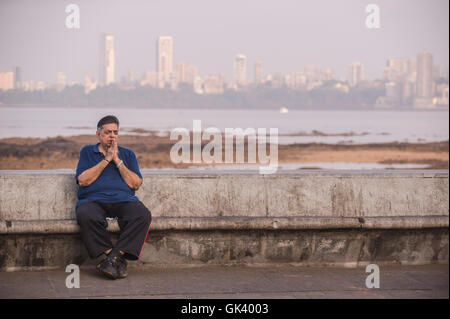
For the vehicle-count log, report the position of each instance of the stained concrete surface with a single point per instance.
(234, 282)
(240, 247)
(51, 197)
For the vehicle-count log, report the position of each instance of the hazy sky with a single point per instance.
(284, 34)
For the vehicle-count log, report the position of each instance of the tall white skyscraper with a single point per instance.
(240, 70)
(164, 59)
(107, 60)
(355, 73)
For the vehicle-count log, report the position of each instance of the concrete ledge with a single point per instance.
(50, 195)
(305, 217)
(236, 223)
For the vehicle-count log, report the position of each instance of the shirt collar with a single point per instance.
(96, 149)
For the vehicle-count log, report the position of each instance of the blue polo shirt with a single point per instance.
(109, 187)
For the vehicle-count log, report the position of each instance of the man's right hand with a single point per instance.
(110, 153)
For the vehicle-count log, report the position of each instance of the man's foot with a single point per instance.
(121, 266)
(107, 267)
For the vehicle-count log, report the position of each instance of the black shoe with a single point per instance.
(107, 268)
(121, 266)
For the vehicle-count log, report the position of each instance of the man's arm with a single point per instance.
(90, 175)
(131, 179)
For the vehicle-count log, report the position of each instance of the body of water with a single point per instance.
(355, 127)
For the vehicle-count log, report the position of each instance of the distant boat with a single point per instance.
(284, 110)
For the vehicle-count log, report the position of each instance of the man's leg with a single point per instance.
(92, 220)
(134, 221)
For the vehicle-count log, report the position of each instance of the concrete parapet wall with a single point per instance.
(42, 202)
(194, 200)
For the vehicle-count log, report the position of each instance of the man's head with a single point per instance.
(108, 130)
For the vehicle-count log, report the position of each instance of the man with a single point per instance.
(108, 176)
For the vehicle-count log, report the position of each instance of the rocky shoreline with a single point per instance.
(153, 151)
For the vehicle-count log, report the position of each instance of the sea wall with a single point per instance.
(347, 218)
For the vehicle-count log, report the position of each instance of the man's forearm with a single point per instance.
(90, 175)
(130, 177)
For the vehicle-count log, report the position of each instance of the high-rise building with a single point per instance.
(130, 76)
(240, 70)
(150, 78)
(424, 75)
(296, 80)
(89, 84)
(164, 60)
(198, 85)
(397, 70)
(17, 77)
(394, 92)
(40, 85)
(312, 73)
(400, 76)
(107, 59)
(276, 80)
(258, 72)
(424, 81)
(355, 73)
(328, 74)
(6, 81)
(60, 81)
(412, 72)
(32, 85)
(213, 84)
(441, 99)
(185, 73)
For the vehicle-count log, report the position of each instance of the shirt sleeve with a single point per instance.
(132, 164)
(83, 163)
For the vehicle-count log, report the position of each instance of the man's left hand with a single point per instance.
(116, 158)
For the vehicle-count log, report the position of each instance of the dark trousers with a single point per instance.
(134, 222)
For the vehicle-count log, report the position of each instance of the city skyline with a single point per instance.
(167, 71)
(414, 82)
(166, 67)
(332, 36)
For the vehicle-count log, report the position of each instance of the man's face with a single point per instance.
(107, 134)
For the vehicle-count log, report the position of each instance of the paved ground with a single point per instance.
(233, 282)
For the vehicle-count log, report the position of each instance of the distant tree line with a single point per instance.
(261, 97)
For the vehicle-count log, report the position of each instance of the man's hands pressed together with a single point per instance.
(112, 152)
